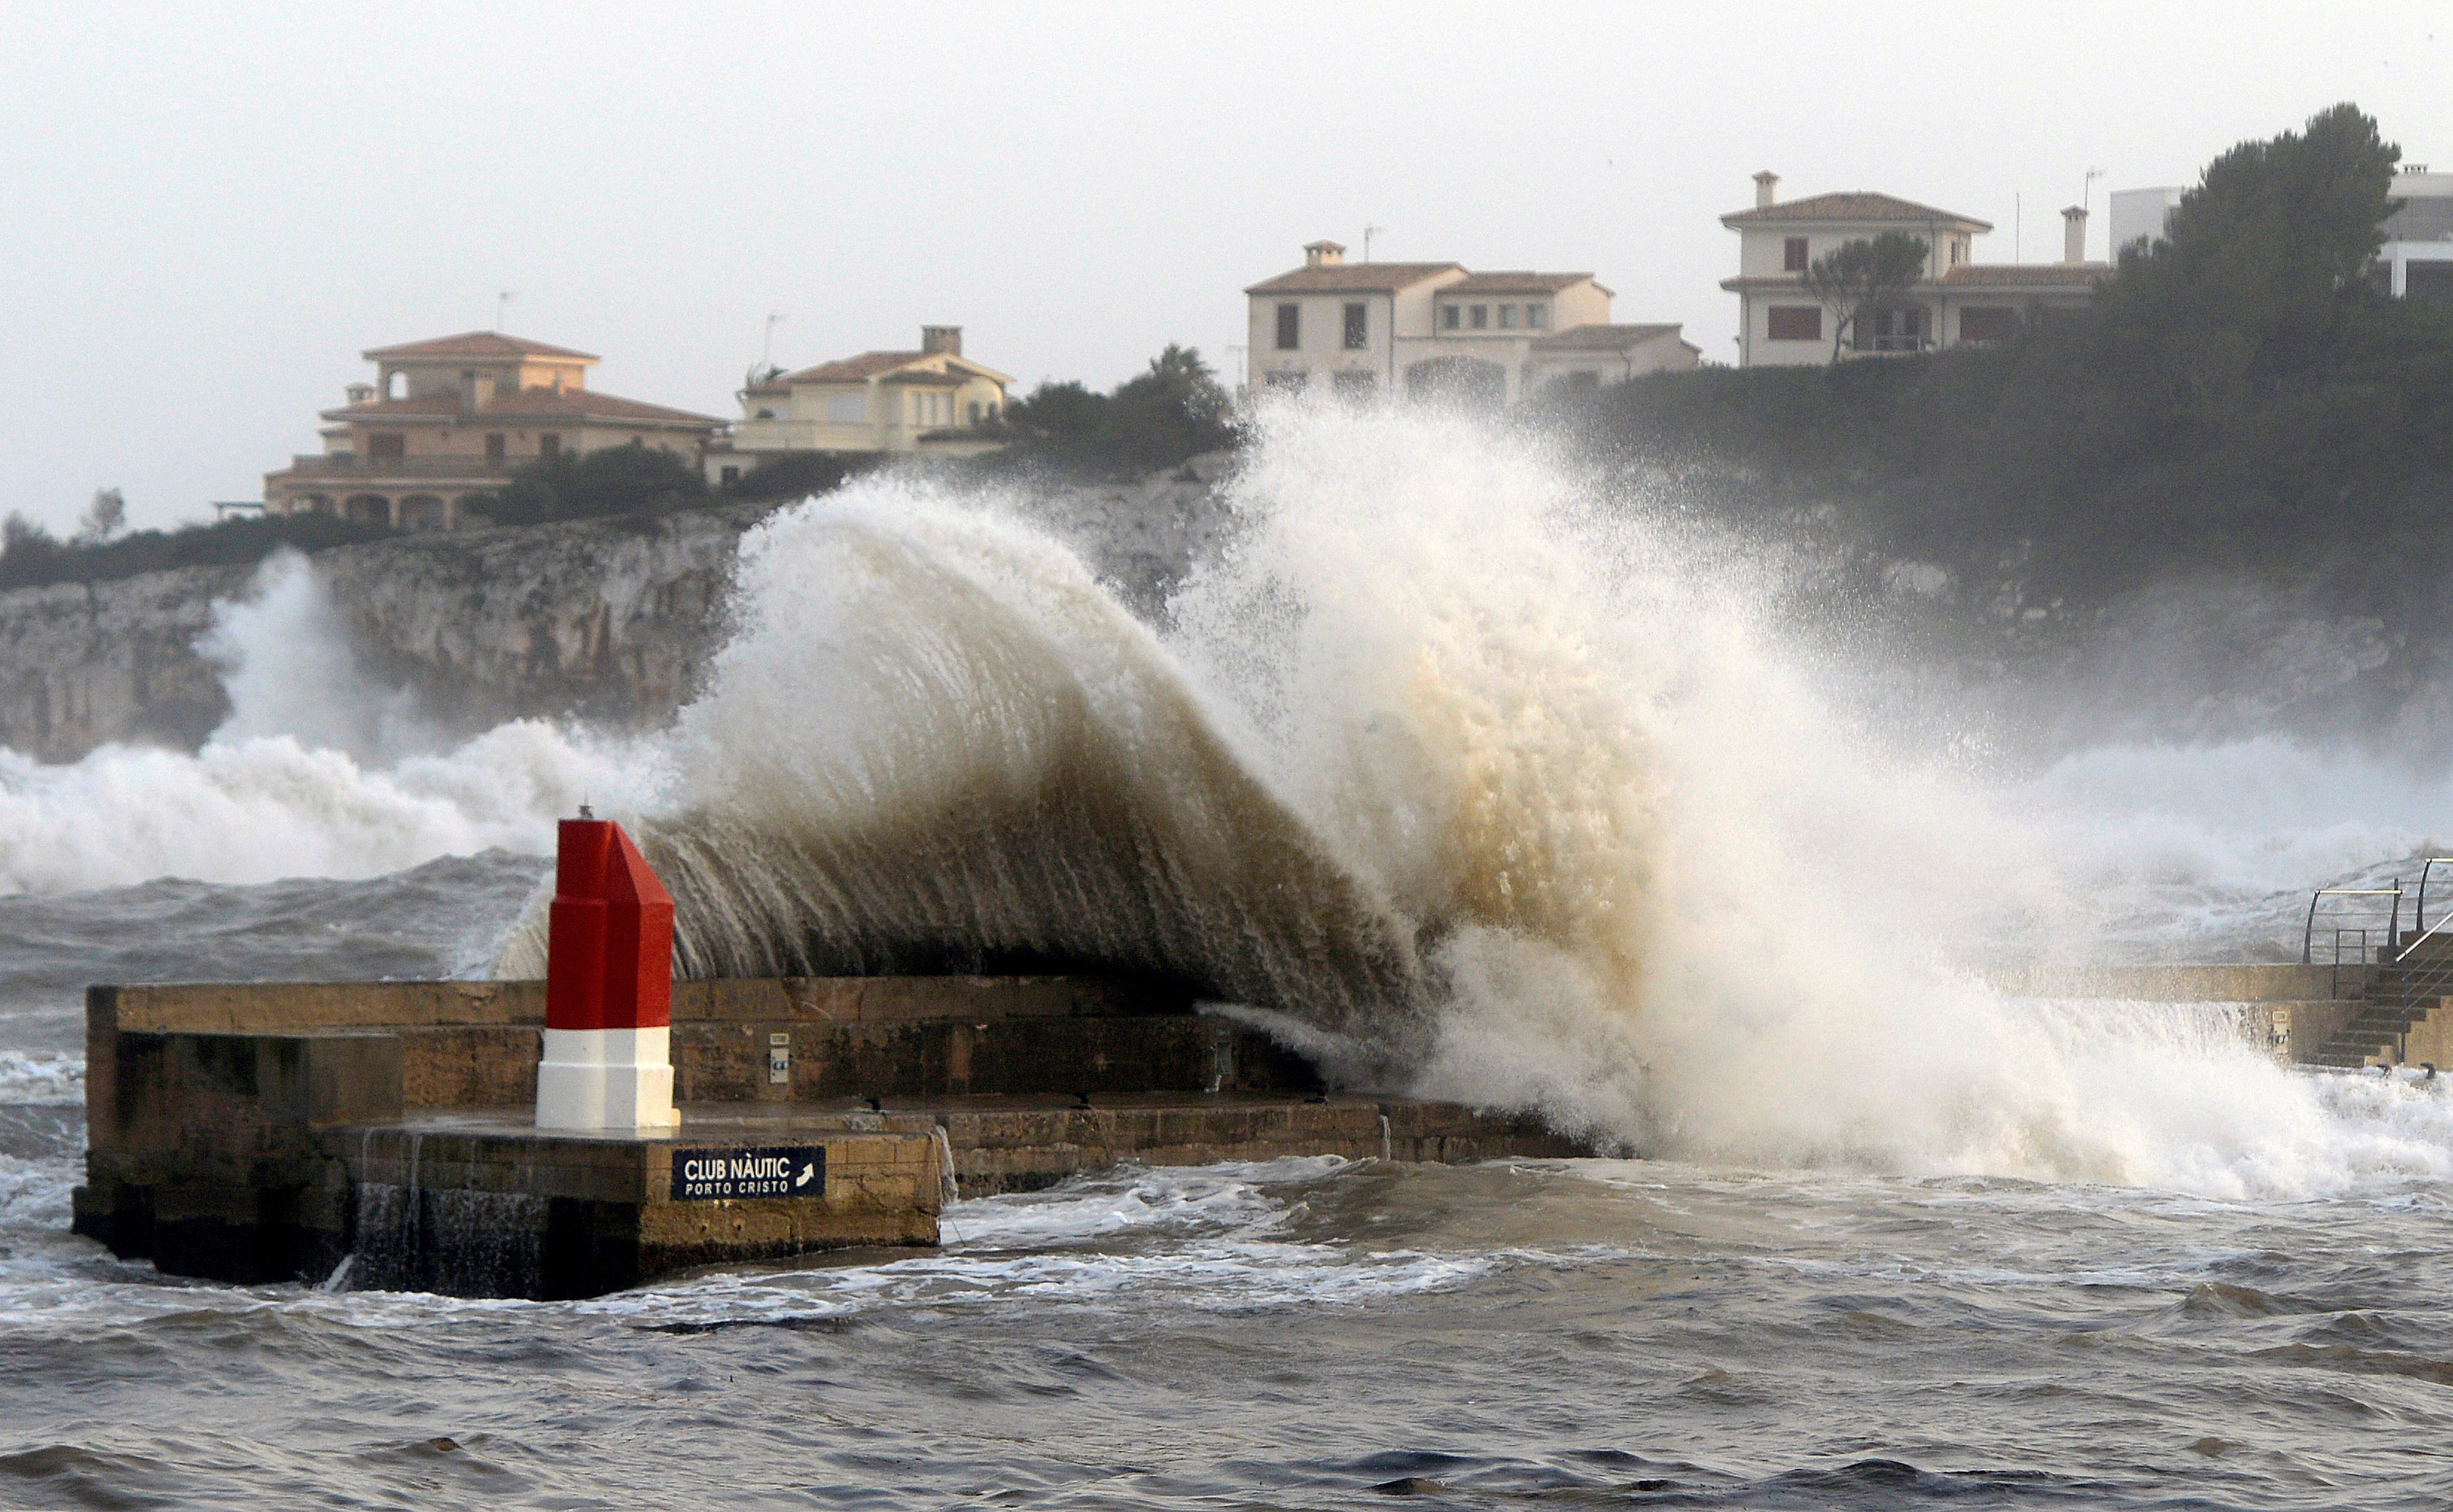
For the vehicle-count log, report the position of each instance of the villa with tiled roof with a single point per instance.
(1437, 329)
(447, 421)
(1958, 299)
(935, 400)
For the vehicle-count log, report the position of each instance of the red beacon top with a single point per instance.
(610, 935)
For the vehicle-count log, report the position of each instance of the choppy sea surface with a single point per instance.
(1307, 1333)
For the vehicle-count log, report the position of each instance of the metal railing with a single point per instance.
(2426, 865)
(346, 464)
(2393, 919)
(2396, 972)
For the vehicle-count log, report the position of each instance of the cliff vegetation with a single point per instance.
(2239, 397)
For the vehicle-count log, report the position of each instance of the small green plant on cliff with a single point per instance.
(30, 556)
(1173, 411)
(795, 475)
(618, 480)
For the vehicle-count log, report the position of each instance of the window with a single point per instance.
(766, 414)
(1900, 328)
(1289, 327)
(847, 409)
(1987, 323)
(549, 444)
(975, 411)
(993, 409)
(1536, 316)
(386, 444)
(731, 476)
(1352, 385)
(1450, 315)
(494, 446)
(1481, 318)
(1288, 381)
(1582, 378)
(1507, 317)
(1792, 255)
(1796, 323)
(1358, 327)
(1958, 251)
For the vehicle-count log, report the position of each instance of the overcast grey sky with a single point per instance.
(211, 210)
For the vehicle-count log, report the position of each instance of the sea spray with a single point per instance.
(935, 742)
(317, 772)
(284, 661)
(1447, 755)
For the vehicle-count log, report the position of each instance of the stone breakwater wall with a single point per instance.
(608, 622)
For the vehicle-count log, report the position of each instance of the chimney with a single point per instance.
(1766, 189)
(947, 339)
(1324, 255)
(2073, 236)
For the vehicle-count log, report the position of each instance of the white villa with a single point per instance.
(1435, 328)
(1957, 300)
(935, 400)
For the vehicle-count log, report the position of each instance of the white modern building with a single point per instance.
(1956, 299)
(2141, 215)
(2416, 260)
(1427, 330)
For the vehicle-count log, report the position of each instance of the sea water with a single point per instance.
(1500, 790)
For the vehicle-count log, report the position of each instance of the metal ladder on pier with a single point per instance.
(2399, 977)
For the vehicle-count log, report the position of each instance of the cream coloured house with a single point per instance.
(935, 400)
(1436, 329)
(447, 421)
(1958, 299)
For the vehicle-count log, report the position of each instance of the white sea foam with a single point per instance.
(1519, 785)
(1551, 813)
(316, 774)
(37, 1077)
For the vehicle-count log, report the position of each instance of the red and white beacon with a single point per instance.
(608, 986)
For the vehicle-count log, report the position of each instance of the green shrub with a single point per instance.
(30, 556)
(633, 479)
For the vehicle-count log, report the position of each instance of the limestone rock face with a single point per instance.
(608, 622)
(82, 665)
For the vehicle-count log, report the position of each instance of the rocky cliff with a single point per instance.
(608, 622)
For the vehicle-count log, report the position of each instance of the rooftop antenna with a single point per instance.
(2018, 228)
(586, 812)
(2086, 191)
(1368, 232)
(502, 307)
(767, 351)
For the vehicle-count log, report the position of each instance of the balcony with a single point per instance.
(350, 465)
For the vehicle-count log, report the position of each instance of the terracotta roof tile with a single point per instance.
(1352, 278)
(1598, 338)
(2027, 275)
(1859, 206)
(569, 404)
(475, 344)
(1513, 283)
(849, 369)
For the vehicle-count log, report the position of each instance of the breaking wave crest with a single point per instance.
(1441, 756)
(1483, 786)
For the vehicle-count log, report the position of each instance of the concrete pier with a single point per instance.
(274, 1132)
